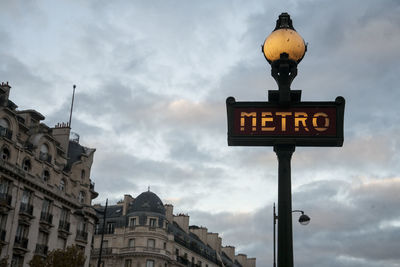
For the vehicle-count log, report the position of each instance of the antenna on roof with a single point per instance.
(72, 105)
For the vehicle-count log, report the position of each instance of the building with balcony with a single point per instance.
(45, 186)
(143, 232)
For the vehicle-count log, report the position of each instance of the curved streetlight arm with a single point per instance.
(302, 212)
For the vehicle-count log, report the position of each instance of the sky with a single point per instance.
(152, 79)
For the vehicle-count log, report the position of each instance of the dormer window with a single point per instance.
(5, 153)
(132, 222)
(46, 175)
(26, 165)
(62, 185)
(152, 222)
(44, 153)
(81, 197)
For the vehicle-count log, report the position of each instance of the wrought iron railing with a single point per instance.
(26, 208)
(64, 225)
(41, 249)
(46, 217)
(21, 242)
(5, 199)
(82, 235)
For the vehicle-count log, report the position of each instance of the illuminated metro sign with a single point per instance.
(301, 124)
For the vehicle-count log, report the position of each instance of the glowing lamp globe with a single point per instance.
(284, 39)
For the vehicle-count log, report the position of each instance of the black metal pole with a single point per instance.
(285, 235)
(102, 233)
(274, 217)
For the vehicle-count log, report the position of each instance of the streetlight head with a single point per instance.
(284, 40)
(304, 219)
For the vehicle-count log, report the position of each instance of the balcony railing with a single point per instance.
(82, 235)
(21, 242)
(45, 157)
(2, 235)
(91, 185)
(5, 132)
(26, 208)
(104, 251)
(46, 217)
(41, 249)
(5, 199)
(64, 225)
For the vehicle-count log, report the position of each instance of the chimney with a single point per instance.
(183, 221)
(201, 232)
(230, 252)
(61, 134)
(214, 241)
(127, 199)
(169, 209)
(242, 259)
(4, 93)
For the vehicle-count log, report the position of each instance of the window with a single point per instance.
(4, 185)
(5, 128)
(46, 175)
(165, 245)
(62, 185)
(152, 222)
(199, 263)
(17, 261)
(26, 196)
(132, 222)
(177, 252)
(26, 165)
(105, 243)
(43, 238)
(151, 243)
(128, 263)
(81, 197)
(131, 243)
(5, 153)
(110, 227)
(46, 206)
(149, 263)
(44, 153)
(97, 229)
(83, 174)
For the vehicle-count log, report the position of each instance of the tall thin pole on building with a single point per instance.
(72, 105)
(102, 233)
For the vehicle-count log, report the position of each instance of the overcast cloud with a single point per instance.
(152, 78)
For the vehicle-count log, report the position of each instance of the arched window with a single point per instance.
(46, 175)
(5, 153)
(44, 153)
(62, 185)
(26, 165)
(81, 197)
(83, 174)
(5, 128)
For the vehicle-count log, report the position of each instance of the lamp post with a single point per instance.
(284, 48)
(285, 122)
(303, 220)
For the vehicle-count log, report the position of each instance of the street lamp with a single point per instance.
(284, 48)
(303, 220)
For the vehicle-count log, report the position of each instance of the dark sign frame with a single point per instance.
(298, 140)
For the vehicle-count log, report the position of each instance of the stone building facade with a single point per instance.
(143, 232)
(45, 186)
